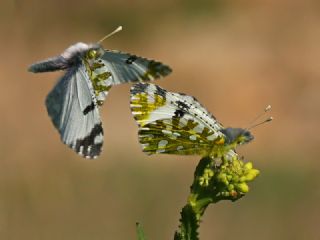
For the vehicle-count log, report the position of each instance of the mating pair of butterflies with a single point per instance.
(172, 123)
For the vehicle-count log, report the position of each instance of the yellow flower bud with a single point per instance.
(235, 178)
(248, 166)
(252, 174)
(242, 179)
(230, 187)
(256, 172)
(208, 172)
(201, 181)
(242, 187)
(222, 177)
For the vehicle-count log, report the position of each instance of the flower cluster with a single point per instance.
(223, 179)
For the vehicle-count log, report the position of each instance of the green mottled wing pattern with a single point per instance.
(99, 74)
(172, 123)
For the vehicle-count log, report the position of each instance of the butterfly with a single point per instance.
(175, 123)
(73, 104)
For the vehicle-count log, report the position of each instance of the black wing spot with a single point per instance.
(160, 91)
(89, 108)
(131, 59)
(179, 113)
(182, 105)
(88, 141)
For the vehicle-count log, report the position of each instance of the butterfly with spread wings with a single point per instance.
(90, 73)
(175, 123)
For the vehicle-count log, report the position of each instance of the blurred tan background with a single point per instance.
(236, 57)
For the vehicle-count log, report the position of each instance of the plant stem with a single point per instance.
(213, 182)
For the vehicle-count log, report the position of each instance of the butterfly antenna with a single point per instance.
(267, 109)
(265, 121)
(110, 34)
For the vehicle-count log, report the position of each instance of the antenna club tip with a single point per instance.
(270, 119)
(110, 34)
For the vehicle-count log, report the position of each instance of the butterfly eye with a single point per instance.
(92, 53)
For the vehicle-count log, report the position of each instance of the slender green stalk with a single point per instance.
(140, 232)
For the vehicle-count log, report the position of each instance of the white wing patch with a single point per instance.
(73, 109)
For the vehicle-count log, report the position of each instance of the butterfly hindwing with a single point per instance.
(126, 67)
(171, 122)
(73, 109)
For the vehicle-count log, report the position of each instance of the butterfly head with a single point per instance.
(88, 51)
(240, 136)
(82, 50)
(94, 52)
(237, 136)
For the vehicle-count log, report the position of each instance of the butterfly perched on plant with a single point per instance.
(73, 104)
(175, 123)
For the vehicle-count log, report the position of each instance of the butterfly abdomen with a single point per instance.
(49, 65)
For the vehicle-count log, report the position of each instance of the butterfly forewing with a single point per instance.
(126, 67)
(107, 68)
(73, 109)
(171, 122)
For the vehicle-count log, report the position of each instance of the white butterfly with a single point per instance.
(175, 123)
(90, 72)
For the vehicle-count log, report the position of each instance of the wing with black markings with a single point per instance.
(73, 109)
(172, 123)
(126, 67)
